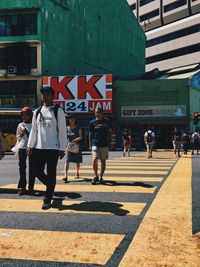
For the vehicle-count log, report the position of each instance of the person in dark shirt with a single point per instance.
(176, 140)
(99, 137)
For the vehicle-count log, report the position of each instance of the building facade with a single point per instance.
(58, 38)
(164, 103)
(173, 31)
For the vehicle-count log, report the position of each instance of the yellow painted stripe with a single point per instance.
(142, 161)
(129, 167)
(116, 178)
(91, 207)
(137, 164)
(164, 237)
(91, 188)
(123, 171)
(58, 246)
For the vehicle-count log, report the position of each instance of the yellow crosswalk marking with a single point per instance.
(58, 246)
(129, 167)
(91, 188)
(124, 171)
(137, 164)
(116, 178)
(91, 207)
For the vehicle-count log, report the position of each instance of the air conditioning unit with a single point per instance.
(12, 69)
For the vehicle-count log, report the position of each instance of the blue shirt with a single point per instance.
(100, 132)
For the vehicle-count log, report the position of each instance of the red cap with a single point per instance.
(26, 109)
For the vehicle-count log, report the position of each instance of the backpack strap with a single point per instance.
(55, 109)
(38, 110)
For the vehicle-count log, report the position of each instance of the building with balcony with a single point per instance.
(60, 38)
(172, 29)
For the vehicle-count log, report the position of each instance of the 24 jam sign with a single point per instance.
(82, 93)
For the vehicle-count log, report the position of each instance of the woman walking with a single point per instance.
(73, 151)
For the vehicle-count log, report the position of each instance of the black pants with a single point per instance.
(22, 170)
(48, 157)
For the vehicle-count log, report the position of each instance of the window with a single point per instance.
(22, 56)
(173, 35)
(175, 53)
(15, 25)
(144, 2)
(149, 15)
(174, 5)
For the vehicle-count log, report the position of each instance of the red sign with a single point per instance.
(82, 93)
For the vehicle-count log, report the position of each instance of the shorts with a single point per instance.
(176, 145)
(100, 152)
(149, 146)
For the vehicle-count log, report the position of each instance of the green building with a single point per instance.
(166, 101)
(53, 37)
(58, 38)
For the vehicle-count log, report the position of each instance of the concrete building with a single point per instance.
(173, 31)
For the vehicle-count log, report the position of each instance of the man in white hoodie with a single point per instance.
(47, 141)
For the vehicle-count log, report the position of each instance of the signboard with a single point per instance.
(153, 111)
(82, 93)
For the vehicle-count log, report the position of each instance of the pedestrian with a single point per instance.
(73, 150)
(126, 138)
(149, 139)
(22, 135)
(195, 140)
(2, 147)
(176, 141)
(185, 141)
(47, 141)
(100, 134)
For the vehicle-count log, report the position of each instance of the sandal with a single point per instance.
(76, 177)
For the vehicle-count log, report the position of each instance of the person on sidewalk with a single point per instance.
(47, 140)
(185, 141)
(22, 135)
(176, 141)
(126, 138)
(195, 140)
(100, 134)
(149, 139)
(73, 151)
(2, 147)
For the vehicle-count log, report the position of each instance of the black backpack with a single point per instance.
(149, 137)
(55, 109)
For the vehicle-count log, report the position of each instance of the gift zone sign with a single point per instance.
(82, 93)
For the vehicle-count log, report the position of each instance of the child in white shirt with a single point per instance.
(22, 136)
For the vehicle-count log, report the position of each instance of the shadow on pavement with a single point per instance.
(94, 206)
(195, 195)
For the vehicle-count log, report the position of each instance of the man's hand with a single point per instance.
(29, 151)
(61, 154)
(90, 148)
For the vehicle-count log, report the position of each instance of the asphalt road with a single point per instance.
(101, 209)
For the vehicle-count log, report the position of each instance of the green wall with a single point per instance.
(87, 37)
(98, 36)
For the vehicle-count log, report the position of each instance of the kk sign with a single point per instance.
(82, 93)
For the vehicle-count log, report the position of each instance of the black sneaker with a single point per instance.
(95, 180)
(65, 180)
(102, 181)
(46, 204)
(21, 191)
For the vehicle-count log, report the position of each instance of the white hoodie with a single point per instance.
(47, 132)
